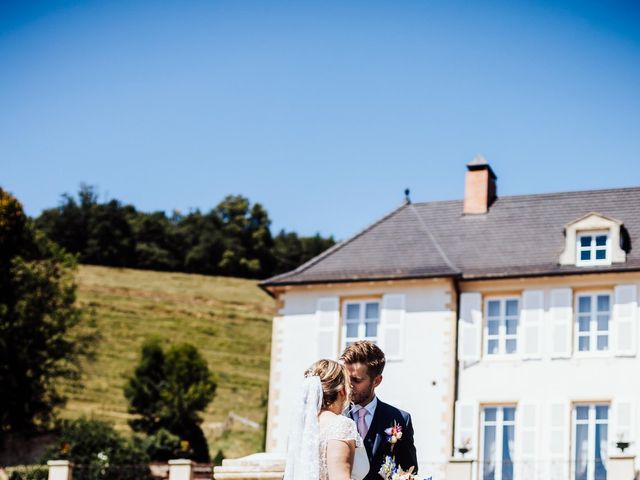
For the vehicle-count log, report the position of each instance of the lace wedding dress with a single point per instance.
(343, 428)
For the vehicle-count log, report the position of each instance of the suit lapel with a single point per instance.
(376, 430)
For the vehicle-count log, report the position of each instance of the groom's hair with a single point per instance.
(367, 353)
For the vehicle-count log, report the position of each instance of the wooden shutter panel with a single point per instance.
(625, 308)
(527, 432)
(558, 442)
(327, 322)
(466, 429)
(532, 314)
(470, 327)
(561, 310)
(622, 425)
(393, 308)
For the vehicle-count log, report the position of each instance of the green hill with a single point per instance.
(227, 319)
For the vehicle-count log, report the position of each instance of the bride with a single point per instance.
(323, 443)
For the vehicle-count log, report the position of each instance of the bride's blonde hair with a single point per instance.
(334, 377)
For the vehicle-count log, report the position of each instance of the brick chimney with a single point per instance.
(480, 189)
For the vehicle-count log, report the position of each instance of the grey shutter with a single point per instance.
(625, 311)
(466, 428)
(527, 433)
(622, 427)
(558, 442)
(327, 323)
(561, 312)
(531, 314)
(470, 327)
(393, 310)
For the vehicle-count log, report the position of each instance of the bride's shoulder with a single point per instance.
(340, 428)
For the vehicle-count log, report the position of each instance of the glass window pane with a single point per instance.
(600, 471)
(489, 455)
(492, 347)
(585, 255)
(603, 303)
(352, 330)
(490, 414)
(603, 323)
(494, 308)
(583, 344)
(603, 342)
(512, 327)
(584, 304)
(371, 311)
(512, 307)
(581, 453)
(371, 329)
(582, 413)
(601, 254)
(511, 346)
(509, 413)
(585, 240)
(601, 240)
(507, 452)
(493, 327)
(602, 412)
(353, 311)
(583, 324)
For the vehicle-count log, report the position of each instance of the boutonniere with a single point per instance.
(394, 433)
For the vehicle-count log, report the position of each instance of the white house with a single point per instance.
(509, 325)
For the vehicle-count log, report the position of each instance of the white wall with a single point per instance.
(546, 381)
(420, 382)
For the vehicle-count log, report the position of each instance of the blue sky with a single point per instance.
(322, 111)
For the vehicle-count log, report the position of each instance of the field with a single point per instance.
(227, 319)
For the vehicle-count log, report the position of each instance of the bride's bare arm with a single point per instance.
(340, 459)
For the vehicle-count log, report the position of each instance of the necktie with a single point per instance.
(362, 425)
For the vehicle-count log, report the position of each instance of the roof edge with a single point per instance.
(275, 280)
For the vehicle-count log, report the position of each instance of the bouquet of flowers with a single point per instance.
(390, 470)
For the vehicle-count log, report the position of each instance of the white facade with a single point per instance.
(417, 332)
(548, 378)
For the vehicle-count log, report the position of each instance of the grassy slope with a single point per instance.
(227, 319)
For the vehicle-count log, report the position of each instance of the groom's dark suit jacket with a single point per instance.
(377, 445)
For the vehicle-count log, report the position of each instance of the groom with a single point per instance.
(365, 362)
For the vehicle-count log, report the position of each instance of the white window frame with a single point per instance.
(592, 248)
(499, 423)
(361, 321)
(502, 336)
(593, 325)
(591, 422)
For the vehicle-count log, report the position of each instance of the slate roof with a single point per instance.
(519, 236)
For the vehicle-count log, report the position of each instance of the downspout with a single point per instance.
(456, 286)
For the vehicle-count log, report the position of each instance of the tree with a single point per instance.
(38, 345)
(167, 391)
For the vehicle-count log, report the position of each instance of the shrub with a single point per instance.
(98, 452)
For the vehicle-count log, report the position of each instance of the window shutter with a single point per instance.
(561, 322)
(470, 327)
(532, 313)
(622, 426)
(558, 443)
(327, 322)
(625, 309)
(527, 438)
(466, 429)
(392, 326)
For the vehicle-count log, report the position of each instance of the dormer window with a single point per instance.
(594, 240)
(592, 248)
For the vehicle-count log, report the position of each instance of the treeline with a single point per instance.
(232, 239)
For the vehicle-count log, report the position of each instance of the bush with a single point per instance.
(98, 452)
(28, 472)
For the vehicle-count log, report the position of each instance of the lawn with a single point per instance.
(227, 319)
